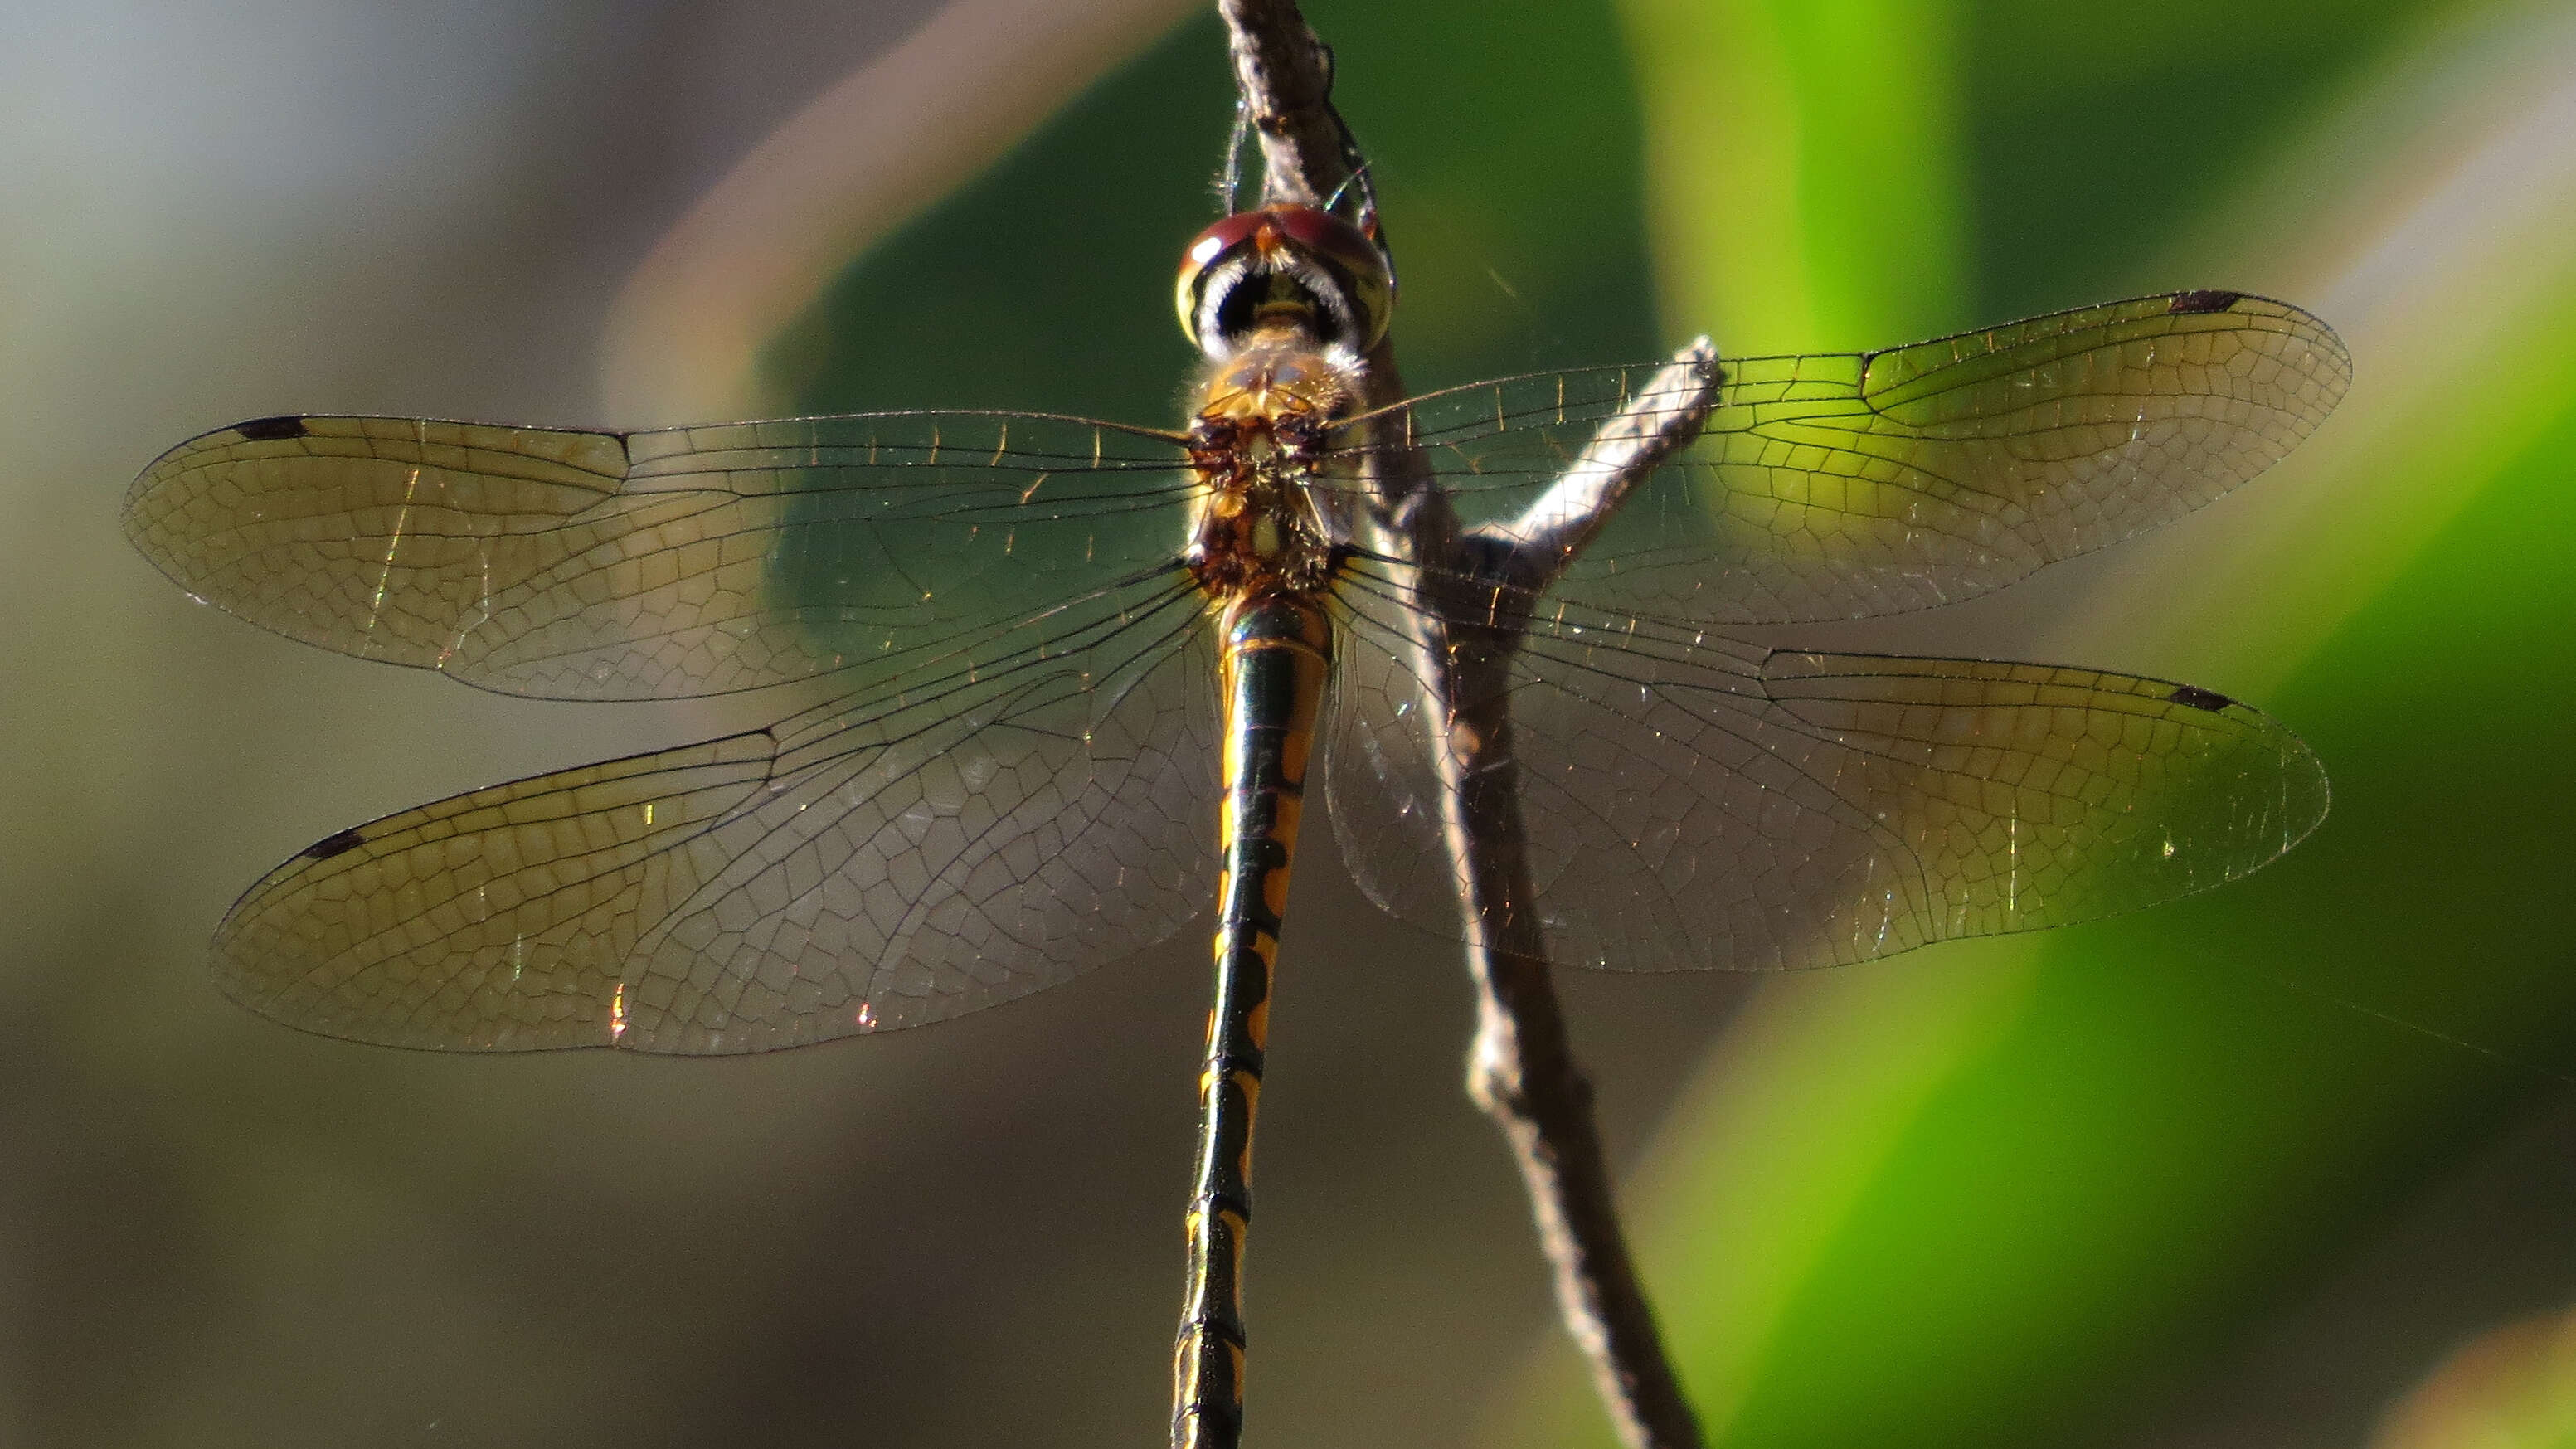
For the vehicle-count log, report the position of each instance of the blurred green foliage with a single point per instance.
(1806, 170)
(2094, 132)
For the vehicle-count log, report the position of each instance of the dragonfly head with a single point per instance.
(1291, 264)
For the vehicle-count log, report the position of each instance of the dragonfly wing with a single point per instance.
(577, 565)
(880, 861)
(1695, 801)
(1846, 485)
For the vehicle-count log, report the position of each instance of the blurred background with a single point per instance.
(2291, 1164)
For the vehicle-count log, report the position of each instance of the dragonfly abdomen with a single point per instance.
(1277, 654)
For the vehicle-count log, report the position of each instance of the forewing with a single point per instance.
(1869, 483)
(575, 565)
(1696, 801)
(877, 862)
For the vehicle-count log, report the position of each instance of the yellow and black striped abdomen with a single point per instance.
(1277, 654)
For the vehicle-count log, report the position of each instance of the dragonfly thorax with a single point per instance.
(1256, 447)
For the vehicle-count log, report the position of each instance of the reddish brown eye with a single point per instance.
(1312, 256)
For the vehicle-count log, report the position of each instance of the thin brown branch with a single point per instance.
(1521, 1068)
(1662, 418)
(1284, 75)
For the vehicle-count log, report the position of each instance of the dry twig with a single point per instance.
(1521, 1069)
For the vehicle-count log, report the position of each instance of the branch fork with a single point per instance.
(1478, 585)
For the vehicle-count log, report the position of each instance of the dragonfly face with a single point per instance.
(1284, 261)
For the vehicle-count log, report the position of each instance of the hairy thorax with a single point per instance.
(1257, 447)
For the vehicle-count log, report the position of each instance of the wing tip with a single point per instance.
(337, 843)
(2315, 330)
(272, 429)
(2203, 300)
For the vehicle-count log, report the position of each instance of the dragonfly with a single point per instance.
(1058, 671)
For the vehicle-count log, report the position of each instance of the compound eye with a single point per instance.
(1252, 263)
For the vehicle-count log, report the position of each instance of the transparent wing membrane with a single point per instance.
(1869, 483)
(879, 861)
(689, 561)
(1693, 801)
(1015, 776)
